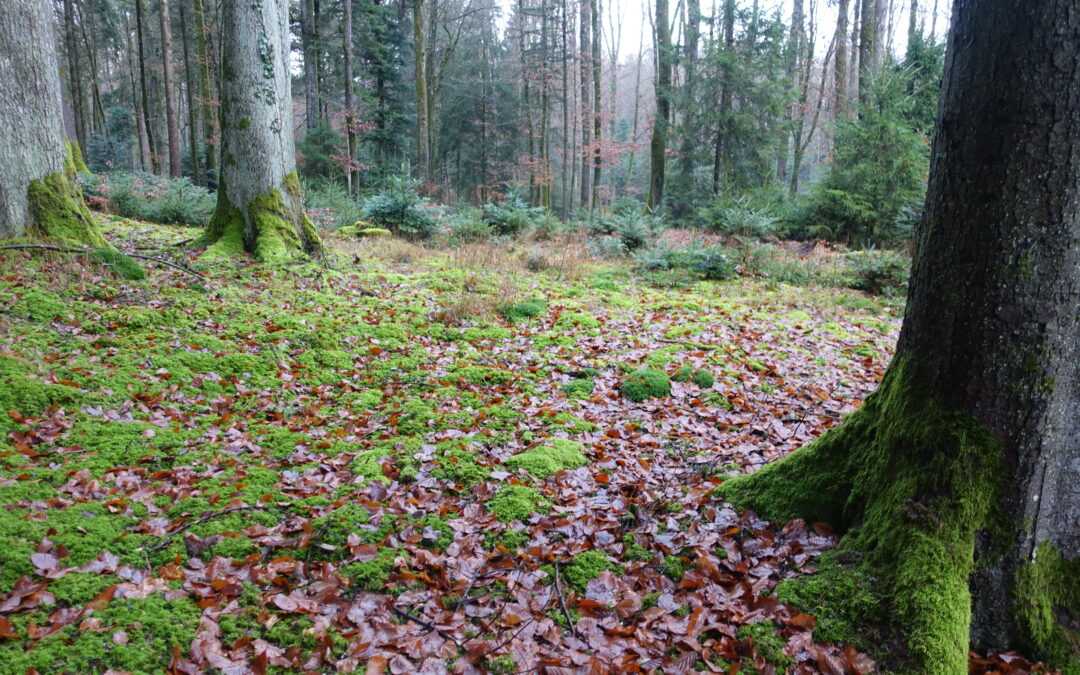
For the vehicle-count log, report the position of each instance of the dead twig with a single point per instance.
(210, 516)
(404, 614)
(65, 249)
(562, 604)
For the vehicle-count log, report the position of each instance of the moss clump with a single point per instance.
(584, 567)
(532, 307)
(841, 597)
(40, 305)
(370, 575)
(577, 319)
(698, 376)
(767, 643)
(511, 540)
(121, 265)
(546, 460)
(914, 482)
(646, 383)
(482, 375)
(363, 230)
(580, 388)
(369, 465)
(516, 502)
(1047, 595)
(461, 467)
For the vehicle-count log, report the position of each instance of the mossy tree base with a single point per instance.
(914, 485)
(269, 228)
(57, 210)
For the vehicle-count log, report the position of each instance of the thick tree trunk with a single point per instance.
(658, 145)
(171, 123)
(39, 195)
(959, 479)
(260, 203)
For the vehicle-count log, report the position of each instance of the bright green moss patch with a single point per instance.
(767, 642)
(1047, 596)
(57, 210)
(24, 393)
(40, 305)
(152, 626)
(369, 465)
(363, 231)
(646, 383)
(532, 307)
(569, 319)
(545, 460)
(584, 567)
(370, 575)
(580, 388)
(460, 466)
(516, 502)
(841, 597)
(698, 376)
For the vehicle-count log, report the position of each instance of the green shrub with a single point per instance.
(511, 216)
(609, 246)
(737, 217)
(469, 231)
(878, 272)
(694, 261)
(399, 208)
(646, 383)
(152, 198)
(329, 205)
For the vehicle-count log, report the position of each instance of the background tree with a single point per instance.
(958, 481)
(259, 199)
(39, 195)
(658, 145)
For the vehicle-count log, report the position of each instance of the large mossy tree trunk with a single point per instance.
(260, 202)
(958, 481)
(39, 193)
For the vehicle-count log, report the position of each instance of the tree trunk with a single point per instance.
(841, 87)
(598, 123)
(658, 146)
(206, 97)
(352, 174)
(690, 112)
(189, 91)
(74, 70)
(144, 88)
(260, 204)
(171, 124)
(725, 94)
(309, 48)
(423, 160)
(586, 103)
(868, 38)
(958, 481)
(39, 195)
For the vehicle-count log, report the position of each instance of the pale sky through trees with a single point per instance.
(635, 14)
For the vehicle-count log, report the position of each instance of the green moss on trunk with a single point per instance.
(57, 210)
(1047, 599)
(913, 483)
(271, 232)
(77, 162)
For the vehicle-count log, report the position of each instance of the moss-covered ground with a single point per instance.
(393, 453)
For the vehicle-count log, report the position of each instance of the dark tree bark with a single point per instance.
(189, 96)
(868, 49)
(352, 174)
(658, 145)
(584, 28)
(725, 96)
(144, 87)
(171, 124)
(39, 195)
(259, 200)
(206, 103)
(958, 481)
(597, 121)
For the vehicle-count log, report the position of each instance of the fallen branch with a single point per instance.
(64, 249)
(691, 343)
(184, 528)
(562, 604)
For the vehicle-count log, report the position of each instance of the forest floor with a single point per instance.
(364, 465)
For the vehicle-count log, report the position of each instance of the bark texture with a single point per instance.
(260, 203)
(959, 480)
(39, 195)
